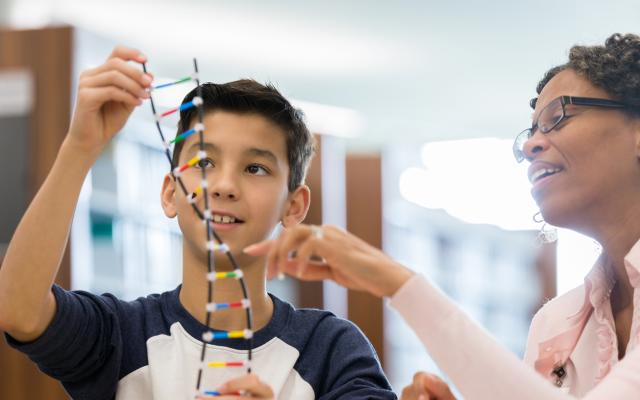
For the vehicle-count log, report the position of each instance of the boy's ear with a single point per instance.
(167, 196)
(297, 206)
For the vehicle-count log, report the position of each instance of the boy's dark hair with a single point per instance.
(247, 96)
(614, 67)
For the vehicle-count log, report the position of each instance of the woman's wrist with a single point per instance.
(396, 276)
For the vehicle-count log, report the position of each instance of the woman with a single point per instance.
(584, 150)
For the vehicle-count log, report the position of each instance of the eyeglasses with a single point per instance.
(553, 114)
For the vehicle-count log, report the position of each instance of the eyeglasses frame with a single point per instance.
(564, 100)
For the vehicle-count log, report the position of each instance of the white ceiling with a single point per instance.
(416, 71)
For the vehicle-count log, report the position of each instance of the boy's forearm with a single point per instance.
(34, 254)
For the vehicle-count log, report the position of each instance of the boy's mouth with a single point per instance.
(225, 219)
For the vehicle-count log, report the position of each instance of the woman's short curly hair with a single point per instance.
(614, 67)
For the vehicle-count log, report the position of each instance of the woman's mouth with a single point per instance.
(543, 173)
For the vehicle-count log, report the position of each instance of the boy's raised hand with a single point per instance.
(106, 97)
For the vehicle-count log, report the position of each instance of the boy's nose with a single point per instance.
(221, 194)
(223, 187)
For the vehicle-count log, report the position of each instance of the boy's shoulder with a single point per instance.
(335, 357)
(309, 319)
(309, 329)
(151, 304)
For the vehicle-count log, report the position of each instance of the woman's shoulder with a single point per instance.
(553, 318)
(554, 314)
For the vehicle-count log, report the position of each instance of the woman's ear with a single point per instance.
(297, 206)
(168, 196)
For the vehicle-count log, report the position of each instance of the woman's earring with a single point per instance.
(548, 233)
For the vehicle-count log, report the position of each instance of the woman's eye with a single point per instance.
(257, 170)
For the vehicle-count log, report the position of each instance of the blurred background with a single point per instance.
(414, 105)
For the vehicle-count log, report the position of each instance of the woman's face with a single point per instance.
(590, 160)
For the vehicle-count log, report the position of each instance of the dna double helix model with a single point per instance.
(214, 242)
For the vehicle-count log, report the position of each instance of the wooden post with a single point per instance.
(364, 219)
(310, 294)
(47, 54)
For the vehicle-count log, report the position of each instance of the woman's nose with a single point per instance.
(536, 144)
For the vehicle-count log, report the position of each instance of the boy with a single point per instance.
(99, 347)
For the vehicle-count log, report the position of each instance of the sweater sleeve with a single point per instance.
(480, 367)
(346, 362)
(82, 347)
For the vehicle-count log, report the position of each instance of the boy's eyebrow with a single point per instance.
(253, 151)
(207, 146)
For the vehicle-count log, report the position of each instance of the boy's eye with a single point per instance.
(204, 163)
(255, 169)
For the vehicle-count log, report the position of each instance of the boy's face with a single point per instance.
(247, 172)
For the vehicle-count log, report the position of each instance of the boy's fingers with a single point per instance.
(124, 67)
(106, 94)
(247, 383)
(128, 53)
(130, 70)
(117, 79)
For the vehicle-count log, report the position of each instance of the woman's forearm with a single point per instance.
(478, 366)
